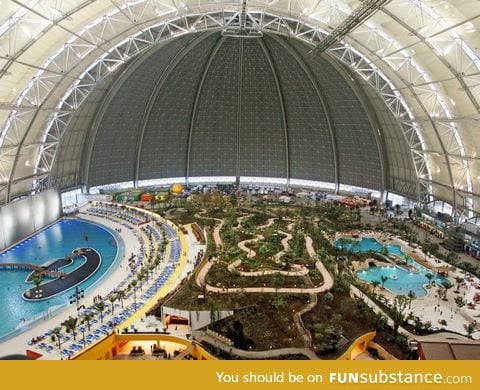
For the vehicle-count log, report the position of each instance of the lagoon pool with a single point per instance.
(400, 280)
(58, 240)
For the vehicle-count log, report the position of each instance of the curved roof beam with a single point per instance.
(359, 15)
(213, 53)
(309, 33)
(268, 57)
(153, 96)
(441, 102)
(323, 102)
(293, 8)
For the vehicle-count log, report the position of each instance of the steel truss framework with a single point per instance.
(105, 40)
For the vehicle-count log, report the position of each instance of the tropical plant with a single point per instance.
(411, 296)
(460, 302)
(100, 307)
(56, 332)
(327, 336)
(343, 243)
(384, 250)
(328, 298)
(141, 277)
(459, 281)
(37, 278)
(133, 284)
(398, 311)
(447, 286)
(375, 283)
(121, 294)
(87, 317)
(278, 301)
(383, 279)
(429, 276)
(70, 324)
(112, 298)
(441, 293)
(381, 322)
(470, 329)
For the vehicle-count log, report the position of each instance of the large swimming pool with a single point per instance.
(400, 280)
(56, 241)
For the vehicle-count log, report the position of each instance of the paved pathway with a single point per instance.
(327, 279)
(284, 242)
(217, 239)
(301, 271)
(203, 336)
(430, 307)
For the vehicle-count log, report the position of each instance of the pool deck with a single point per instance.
(77, 276)
(430, 307)
(19, 343)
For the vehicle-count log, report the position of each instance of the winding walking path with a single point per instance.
(203, 270)
(216, 231)
(243, 244)
(301, 271)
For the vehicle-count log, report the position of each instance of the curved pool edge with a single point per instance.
(54, 310)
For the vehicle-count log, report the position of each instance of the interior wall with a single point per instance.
(27, 216)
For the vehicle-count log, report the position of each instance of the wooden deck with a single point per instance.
(31, 267)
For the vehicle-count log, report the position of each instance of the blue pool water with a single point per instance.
(400, 280)
(56, 241)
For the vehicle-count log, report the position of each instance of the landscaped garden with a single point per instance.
(264, 272)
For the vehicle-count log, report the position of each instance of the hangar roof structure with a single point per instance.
(417, 58)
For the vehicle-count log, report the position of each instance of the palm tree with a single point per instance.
(163, 246)
(375, 284)
(87, 317)
(384, 250)
(56, 335)
(133, 284)
(383, 278)
(429, 276)
(459, 281)
(112, 298)
(146, 273)
(83, 336)
(460, 302)
(440, 293)
(141, 277)
(470, 328)
(411, 296)
(100, 307)
(121, 294)
(70, 324)
(151, 268)
(397, 313)
(447, 285)
(37, 278)
(156, 263)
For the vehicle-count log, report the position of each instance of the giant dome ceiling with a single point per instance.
(420, 57)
